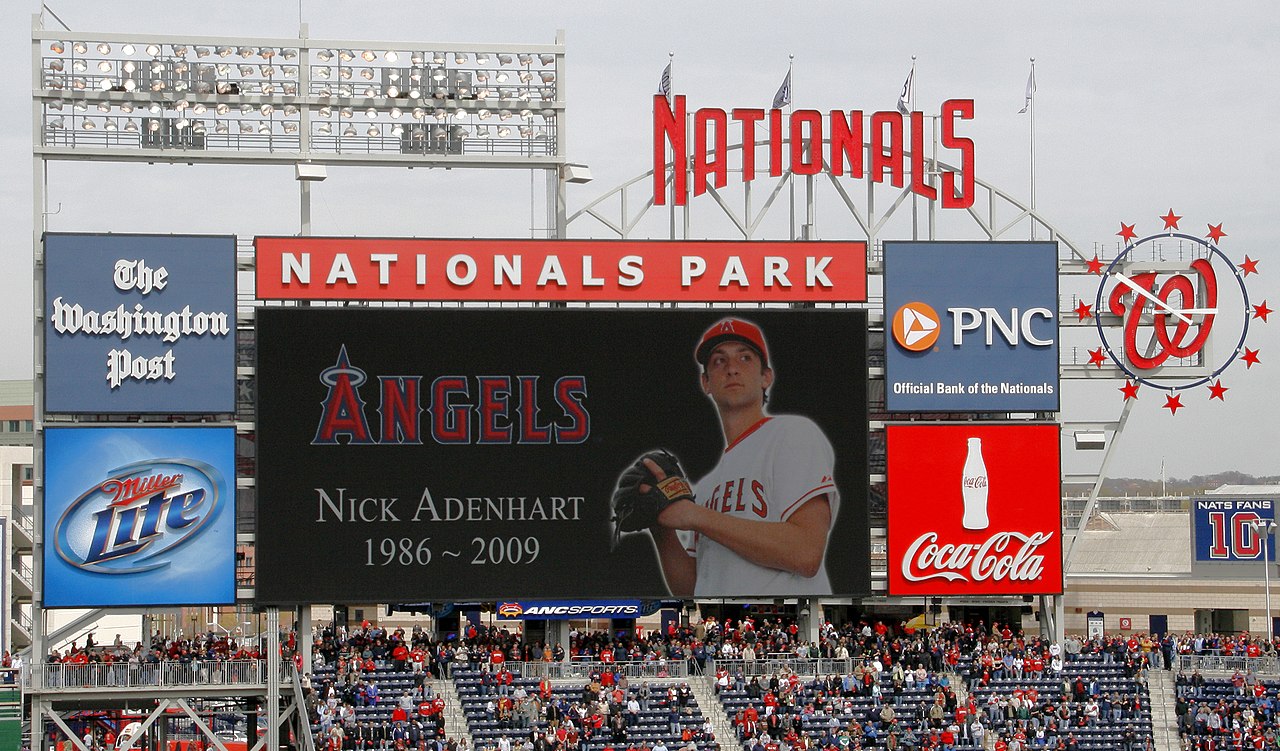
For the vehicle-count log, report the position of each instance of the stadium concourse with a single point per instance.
(747, 684)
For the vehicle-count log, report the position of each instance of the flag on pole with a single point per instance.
(1031, 90)
(664, 83)
(908, 95)
(783, 97)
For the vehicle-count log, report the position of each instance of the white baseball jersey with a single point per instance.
(765, 475)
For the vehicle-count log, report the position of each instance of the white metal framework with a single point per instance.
(111, 97)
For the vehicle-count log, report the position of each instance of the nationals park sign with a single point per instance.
(345, 268)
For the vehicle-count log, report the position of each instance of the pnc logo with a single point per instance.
(510, 610)
(134, 519)
(916, 327)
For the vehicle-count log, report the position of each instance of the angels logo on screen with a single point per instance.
(496, 410)
(139, 514)
(992, 525)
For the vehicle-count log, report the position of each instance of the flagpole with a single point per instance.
(1032, 111)
(915, 208)
(671, 205)
(791, 177)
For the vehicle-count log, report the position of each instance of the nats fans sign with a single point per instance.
(448, 454)
(331, 268)
(974, 510)
(1230, 530)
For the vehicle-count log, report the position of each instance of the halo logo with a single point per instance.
(916, 327)
(510, 610)
(127, 523)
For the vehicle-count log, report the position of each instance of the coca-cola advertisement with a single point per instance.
(974, 509)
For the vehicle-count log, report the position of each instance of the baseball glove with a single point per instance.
(634, 510)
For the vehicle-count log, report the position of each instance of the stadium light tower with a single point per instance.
(1264, 528)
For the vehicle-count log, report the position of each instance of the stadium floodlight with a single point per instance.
(576, 173)
(1090, 440)
(1264, 528)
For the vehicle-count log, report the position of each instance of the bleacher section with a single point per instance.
(912, 704)
(652, 725)
(391, 685)
(1220, 696)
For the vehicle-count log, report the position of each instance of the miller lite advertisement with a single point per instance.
(451, 454)
(140, 323)
(971, 326)
(139, 517)
(974, 509)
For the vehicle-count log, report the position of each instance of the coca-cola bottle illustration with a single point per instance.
(973, 487)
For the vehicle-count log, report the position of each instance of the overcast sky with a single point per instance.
(1141, 107)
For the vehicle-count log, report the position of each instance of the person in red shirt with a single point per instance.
(496, 657)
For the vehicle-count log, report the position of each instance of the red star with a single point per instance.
(1215, 233)
(1126, 232)
(1084, 311)
(1216, 391)
(1096, 357)
(1173, 403)
(1249, 266)
(1171, 220)
(1130, 390)
(1261, 311)
(1095, 266)
(1250, 358)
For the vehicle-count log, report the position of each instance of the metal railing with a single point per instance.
(1227, 664)
(153, 675)
(777, 665)
(583, 669)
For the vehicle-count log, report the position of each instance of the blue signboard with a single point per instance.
(971, 326)
(1225, 530)
(139, 516)
(562, 610)
(140, 323)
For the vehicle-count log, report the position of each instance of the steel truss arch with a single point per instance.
(619, 211)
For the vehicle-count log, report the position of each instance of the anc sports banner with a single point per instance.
(409, 455)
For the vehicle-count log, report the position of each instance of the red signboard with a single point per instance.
(974, 509)
(891, 138)
(337, 268)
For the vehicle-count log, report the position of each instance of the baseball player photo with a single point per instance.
(759, 522)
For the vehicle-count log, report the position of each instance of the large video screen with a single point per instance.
(476, 454)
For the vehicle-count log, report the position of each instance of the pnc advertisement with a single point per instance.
(974, 509)
(972, 326)
(140, 323)
(454, 454)
(139, 516)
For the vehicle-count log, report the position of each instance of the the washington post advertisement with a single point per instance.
(139, 516)
(140, 323)
(437, 454)
(971, 326)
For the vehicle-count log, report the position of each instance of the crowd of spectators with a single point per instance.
(1021, 691)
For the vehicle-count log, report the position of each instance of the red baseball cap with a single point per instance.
(731, 329)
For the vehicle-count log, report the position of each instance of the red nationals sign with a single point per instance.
(974, 510)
